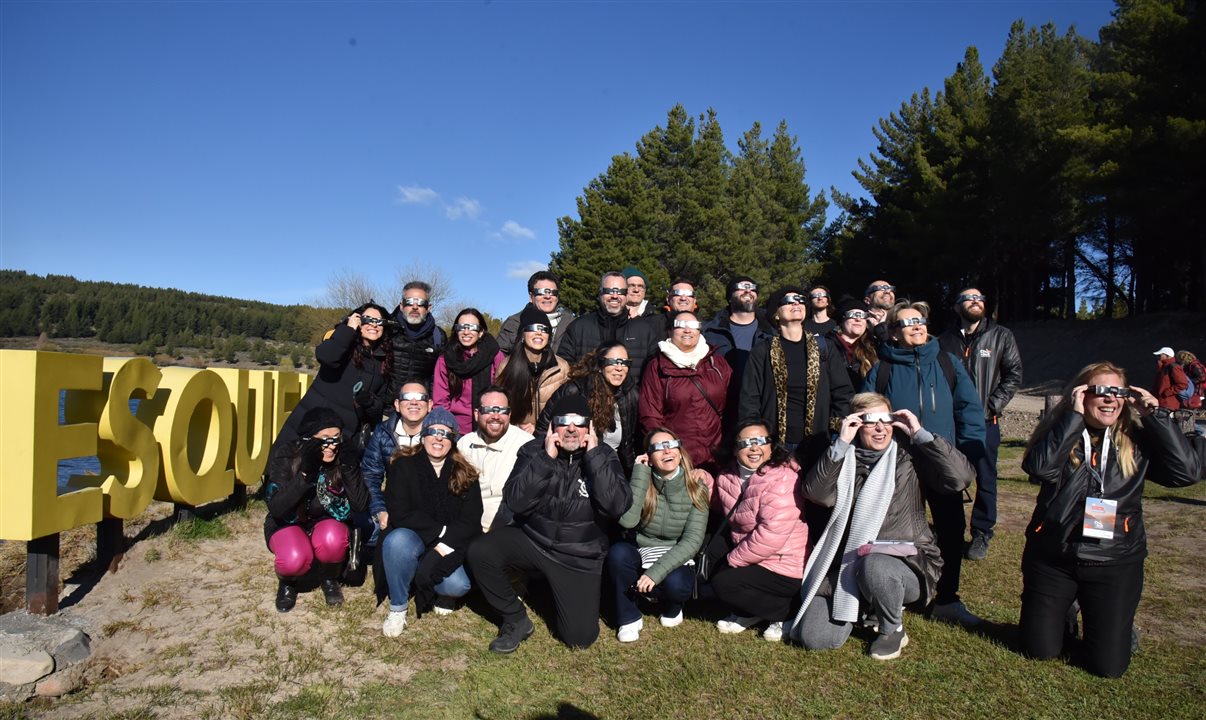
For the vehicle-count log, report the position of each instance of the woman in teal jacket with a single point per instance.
(667, 520)
(943, 397)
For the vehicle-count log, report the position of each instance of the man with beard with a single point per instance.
(417, 341)
(733, 332)
(611, 322)
(990, 355)
(544, 294)
(566, 489)
(492, 449)
(819, 322)
(880, 297)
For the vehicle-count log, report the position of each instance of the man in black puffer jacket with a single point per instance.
(990, 355)
(565, 491)
(611, 322)
(417, 340)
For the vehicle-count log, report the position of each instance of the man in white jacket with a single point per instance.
(492, 448)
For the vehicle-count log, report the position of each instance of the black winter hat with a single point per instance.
(846, 304)
(776, 298)
(728, 289)
(572, 404)
(533, 315)
(318, 418)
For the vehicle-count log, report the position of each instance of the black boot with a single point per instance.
(332, 592)
(286, 596)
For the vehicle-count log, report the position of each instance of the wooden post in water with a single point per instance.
(110, 543)
(42, 575)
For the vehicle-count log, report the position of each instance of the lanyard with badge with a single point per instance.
(1100, 514)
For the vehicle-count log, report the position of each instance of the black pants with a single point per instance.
(949, 525)
(754, 591)
(984, 511)
(1108, 596)
(504, 550)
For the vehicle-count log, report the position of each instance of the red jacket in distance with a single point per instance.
(1170, 380)
(670, 397)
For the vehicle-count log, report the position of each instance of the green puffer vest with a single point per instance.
(676, 522)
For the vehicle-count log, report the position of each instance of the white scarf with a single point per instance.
(684, 359)
(865, 521)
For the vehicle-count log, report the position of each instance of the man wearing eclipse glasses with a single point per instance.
(401, 428)
(733, 332)
(544, 294)
(417, 339)
(565, 490)
(880, 296)
(611, 322)
(492, 448)
(990, 355)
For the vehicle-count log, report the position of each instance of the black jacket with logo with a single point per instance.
(990, 355)
(587, 332)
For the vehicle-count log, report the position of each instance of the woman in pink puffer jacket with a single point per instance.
(761, 575)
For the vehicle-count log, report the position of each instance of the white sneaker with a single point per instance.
(394, 623)
(773, 632)
(630, 632)
(955, 613)
(445, 606)
(672, 620)
(735, 623)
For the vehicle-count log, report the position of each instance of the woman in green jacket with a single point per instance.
(666, 525)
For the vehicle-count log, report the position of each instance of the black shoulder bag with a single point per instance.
(714, 549)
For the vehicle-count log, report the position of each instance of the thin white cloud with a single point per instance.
(515, 230)
(463, 207)
(415, 195)
(523, 270)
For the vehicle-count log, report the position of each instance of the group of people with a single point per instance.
(776, 459)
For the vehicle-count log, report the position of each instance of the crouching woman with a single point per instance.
(433, 511)
(667, 520)
(877, 550)
(1085, 541)
(311, 495)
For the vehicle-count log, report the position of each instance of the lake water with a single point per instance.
(89, 465)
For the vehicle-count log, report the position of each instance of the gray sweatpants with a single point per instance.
(884, 581)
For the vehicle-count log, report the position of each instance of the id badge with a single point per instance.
(1099, 518)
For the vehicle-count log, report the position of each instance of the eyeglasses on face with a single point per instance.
(664, 445)
(537, 329)
(1110, 391)
(688, 324)
(413, 397)
(636, 286)
(877, 418)
(818, 295)
(574, 420)
(880, 288)
(613, 291)
(972, 297)
(546, 292)
(910, 322)
(330, 442)
(746, 286)
(440, 433)
(611, 362)
(495, 410)
(415, 302)
(467, 327)
(683, 292)
(370, 320)
(753, 441)
(855, 315)
(793, 299)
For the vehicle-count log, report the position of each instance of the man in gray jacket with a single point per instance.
(544, 293)
(990, 355)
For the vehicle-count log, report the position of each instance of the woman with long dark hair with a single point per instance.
(851, 337)
(354, 365)
(312, 492)
(466, 367)
(666, 525)
(532, 372)
(603, 378)
(1086, 542)
(435, 511)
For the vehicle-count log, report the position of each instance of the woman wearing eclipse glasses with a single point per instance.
(354, 365)
(915, 374)
(603, 377)
(1085, 542)
(435, 511)
(685, 386)
(877, 553)
(532, 372)
(759, 578)
(666, 524)
(466, 367)
(852, 338)
(311, 493)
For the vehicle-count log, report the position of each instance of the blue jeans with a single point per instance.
(401, 554)
(624, 569)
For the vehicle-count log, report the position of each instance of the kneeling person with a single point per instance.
(565, 488)
(877, 548)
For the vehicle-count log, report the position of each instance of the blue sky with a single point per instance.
(253, 149)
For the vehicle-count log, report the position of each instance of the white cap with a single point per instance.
(1165, 351)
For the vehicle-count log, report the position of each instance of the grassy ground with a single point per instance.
(190, 631)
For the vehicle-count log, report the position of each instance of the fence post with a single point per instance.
(42, 575)
(110, 543)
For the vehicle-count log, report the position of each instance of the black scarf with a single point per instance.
(477, 367)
